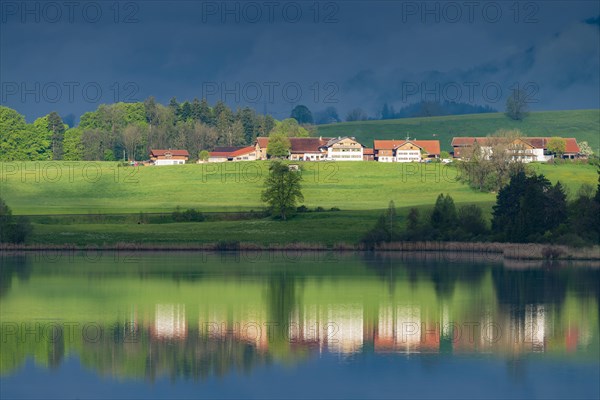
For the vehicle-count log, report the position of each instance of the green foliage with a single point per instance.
(444, 215)
(528, 207)
(557, 146)
(189, 215)
(471, 221)
(517, 105)
(444, 154)
(109, 155)
(290, 128)
(20, 141)
(580, 124)
(282, 189)
(13, 229)
(204, 155)
(279, 145)
(585, 149)
(357, 114)
(57, 129)
(72, 145)
(302, 114)
(385, 229)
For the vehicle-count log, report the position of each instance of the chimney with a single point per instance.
(320, 137)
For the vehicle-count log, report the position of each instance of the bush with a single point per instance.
(21, 229)
(334, 209)
(319, 209)
(189, 215)
(13, 230)
(302, 209)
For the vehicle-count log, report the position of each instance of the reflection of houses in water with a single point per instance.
(337, 327)
(247, 325)
(525, 331)
(344, 327)
(169, 322)
(401, 329)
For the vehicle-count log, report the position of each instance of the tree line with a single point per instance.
(128, 130)
(529, 209)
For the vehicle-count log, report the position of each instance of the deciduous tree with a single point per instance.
(283, 189)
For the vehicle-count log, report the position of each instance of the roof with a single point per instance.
(537, 142)
(368, 152)
(430, 146)
(462, 141)
(228, 152)
(159, 153)
(333, 141)
(262, 141)
(571, 145)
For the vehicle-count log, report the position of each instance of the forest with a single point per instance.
(126, 131)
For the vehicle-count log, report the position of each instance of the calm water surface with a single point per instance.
(327, 325)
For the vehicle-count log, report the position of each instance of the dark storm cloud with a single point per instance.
(345, 54)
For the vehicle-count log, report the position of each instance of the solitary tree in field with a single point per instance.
(516, 105)
(282, 189)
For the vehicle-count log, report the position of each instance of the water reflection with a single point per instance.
(198, 319)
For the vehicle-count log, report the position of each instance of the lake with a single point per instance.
(296, 324)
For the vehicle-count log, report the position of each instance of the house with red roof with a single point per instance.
(169, 157)
(407, 150)
(525, 149)
(222, 154)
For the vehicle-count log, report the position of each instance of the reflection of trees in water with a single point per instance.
(443, 270)
(519, 288)
(13, 265)
(194, 357)
(521, 291)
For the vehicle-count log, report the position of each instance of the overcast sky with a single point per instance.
(72, 56)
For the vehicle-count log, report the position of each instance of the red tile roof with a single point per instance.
(542, 143)
(262, 141)
(430, 146)
(229, 152)
(160, 153)
(368, 152)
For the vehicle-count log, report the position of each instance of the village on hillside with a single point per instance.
(524, 149)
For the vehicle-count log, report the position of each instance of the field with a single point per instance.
(100, 203)
(584, 125)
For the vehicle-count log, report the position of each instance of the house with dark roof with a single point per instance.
(316, 149)
(344, 149)
(407, 150)
(169, 157)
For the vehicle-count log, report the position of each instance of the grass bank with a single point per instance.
(583, 125)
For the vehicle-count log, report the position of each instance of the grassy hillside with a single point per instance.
(102, 187)
(581, 124)
(360, 190)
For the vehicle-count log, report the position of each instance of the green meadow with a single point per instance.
(100, 202)
(584, 125)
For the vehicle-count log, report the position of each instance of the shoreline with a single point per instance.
(508, 251)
